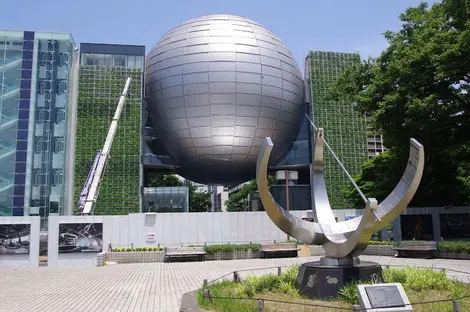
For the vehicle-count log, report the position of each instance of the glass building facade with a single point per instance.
(36, 100)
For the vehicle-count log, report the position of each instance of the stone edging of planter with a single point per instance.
(158, 256)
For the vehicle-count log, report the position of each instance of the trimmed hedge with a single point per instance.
(383, 243)
(458, 247)
(137, 249)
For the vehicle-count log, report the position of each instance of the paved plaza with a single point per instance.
(146, 286)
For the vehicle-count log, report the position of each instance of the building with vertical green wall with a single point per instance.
(104, 69)
(345, 128)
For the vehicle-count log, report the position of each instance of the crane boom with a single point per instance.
(96, 177)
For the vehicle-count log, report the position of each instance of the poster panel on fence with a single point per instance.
(14, 239)
(80, 237)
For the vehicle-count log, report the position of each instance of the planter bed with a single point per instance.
(135, 256)
(232, 255)
(380, 250)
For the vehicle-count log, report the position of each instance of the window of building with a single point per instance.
(38, 146)
(63, 59)
(139, 61)
(41, 115)
(61, 87)
(57, 178)
(39, 178)
(131, 61)
(59, 145)
(60, 115)
(119, 60)
(42, 57)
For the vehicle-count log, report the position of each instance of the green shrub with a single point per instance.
(144, 249)
(128, 249)
(116, 249)
(388, 243)
(454, 247)
(348, 293)
(418, 279)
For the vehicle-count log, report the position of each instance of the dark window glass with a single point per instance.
(28, 35)
(20, 178)
(22, 135)
(18, 201)
(23, 114)
(416, 227)
(455, 225)
(26, 74)
(24, 104)
(28, 45)
(25, 94)
(54, 207)
(22, 145)
(20, 167)
(21, 156)
(27, 55)
(25, 84)
(23, 124)
(17, 212)
(27, 64)
(19, 190)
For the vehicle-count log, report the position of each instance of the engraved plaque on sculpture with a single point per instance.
(384, 296)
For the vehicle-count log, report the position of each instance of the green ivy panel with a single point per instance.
(345, 128)
(99, 90)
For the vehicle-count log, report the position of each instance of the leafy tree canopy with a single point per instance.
(418, 87)
(239, 201)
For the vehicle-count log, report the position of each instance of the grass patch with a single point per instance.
(420, 285)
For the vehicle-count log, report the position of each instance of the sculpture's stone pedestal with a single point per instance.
(317, 280)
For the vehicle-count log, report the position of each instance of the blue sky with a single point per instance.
(303, 25)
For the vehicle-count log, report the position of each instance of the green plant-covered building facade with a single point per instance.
(103, 72)
(345, 128)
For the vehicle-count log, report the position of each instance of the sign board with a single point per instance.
(383, 297)
(80, 237)
(150, 237)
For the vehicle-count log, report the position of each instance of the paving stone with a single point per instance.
(142, 287)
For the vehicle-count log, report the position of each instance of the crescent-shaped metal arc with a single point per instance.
(305, 231)
(346, 238)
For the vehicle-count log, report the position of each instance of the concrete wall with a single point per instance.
(23, 260)
(80, 259)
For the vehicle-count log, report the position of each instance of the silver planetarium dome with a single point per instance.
(216, 86)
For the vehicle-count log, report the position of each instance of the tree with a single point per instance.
(198, 201)
(418, 87)
(239, 201)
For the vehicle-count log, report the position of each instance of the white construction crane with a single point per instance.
(91, 189)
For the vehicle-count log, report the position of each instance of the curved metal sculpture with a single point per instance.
(342, 241)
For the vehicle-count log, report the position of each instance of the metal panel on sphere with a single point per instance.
(215, 87)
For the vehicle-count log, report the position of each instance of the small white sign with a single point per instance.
(150, 237)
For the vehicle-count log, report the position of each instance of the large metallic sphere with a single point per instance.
(216, 86)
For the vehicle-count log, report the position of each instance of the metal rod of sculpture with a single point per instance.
(343, 241)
